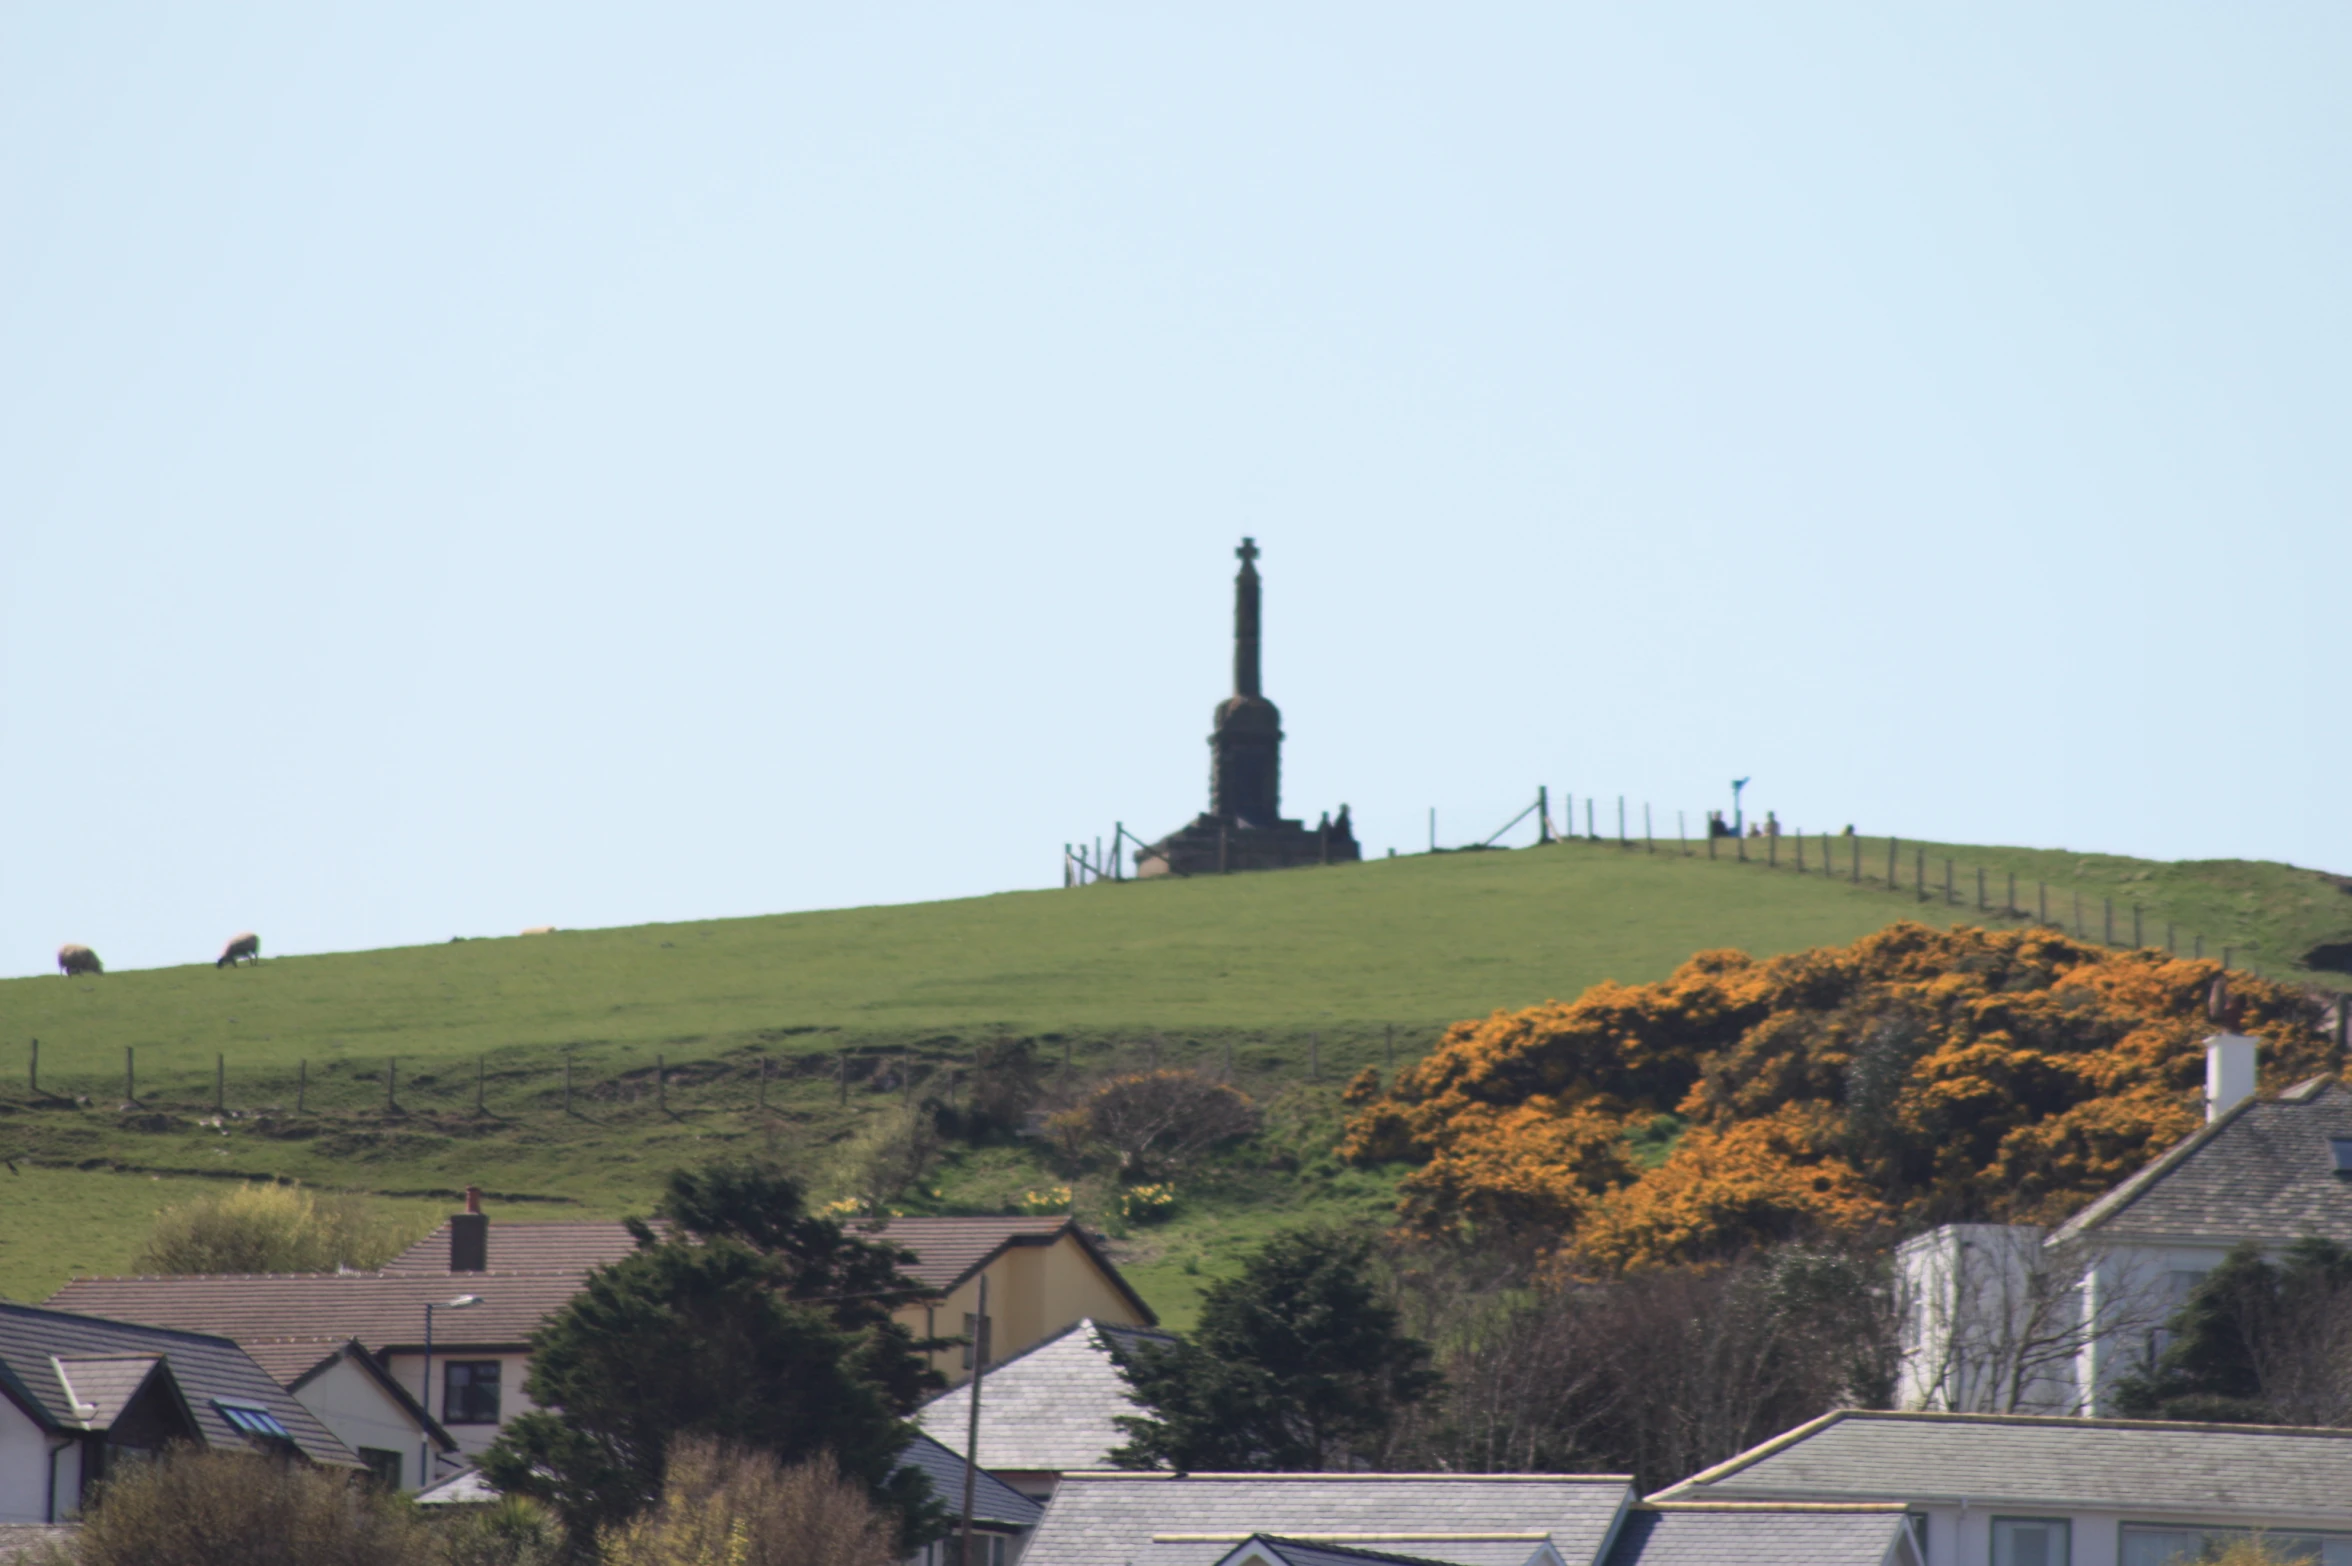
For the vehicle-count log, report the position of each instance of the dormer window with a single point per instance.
(2341, 1146)
(252, 1419)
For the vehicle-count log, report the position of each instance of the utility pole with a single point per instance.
(972, 1424)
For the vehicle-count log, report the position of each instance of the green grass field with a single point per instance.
(1321, 966)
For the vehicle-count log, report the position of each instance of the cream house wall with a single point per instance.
(1034, 1291)
(407, 1368)
(355, 1406)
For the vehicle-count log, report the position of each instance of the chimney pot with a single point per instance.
(473, 1198)
(2229, 1073)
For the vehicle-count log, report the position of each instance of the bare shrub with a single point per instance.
(203, 1508)
(275, 1228)
(724, 1506)
(1658, 1373)
(892, 1155)
(1007, 1081)
(1154, 1124)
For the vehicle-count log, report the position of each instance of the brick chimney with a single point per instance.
(2229, 1073)
(469, 1235)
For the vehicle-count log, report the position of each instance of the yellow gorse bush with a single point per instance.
(1916, 1076)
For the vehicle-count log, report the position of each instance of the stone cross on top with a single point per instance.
(1248, 553)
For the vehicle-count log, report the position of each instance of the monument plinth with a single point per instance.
(1243, 828)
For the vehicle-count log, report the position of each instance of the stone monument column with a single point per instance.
(1245, 750)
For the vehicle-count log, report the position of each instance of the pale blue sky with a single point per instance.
(471, 467)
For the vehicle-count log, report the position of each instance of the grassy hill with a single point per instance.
(827, 1018)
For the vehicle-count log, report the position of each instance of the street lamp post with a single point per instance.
(425, 1437)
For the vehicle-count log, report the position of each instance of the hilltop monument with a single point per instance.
(1243, 828)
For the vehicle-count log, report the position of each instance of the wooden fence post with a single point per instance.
(220, 1084)
(661, 1084)
(842, 1070)
(567, 1081)
(2107, 925)
(302, 1086)
(1980, 889)
(1772, 850)
(2010, 902)
(2136, 942)
(477, 1084)
(1890, 862)
(1392, 1048)
(2200, 945)
(391, 1082)
(1919, 872)
(1800, 853)
(33, 1070)
(2042, 902)
(130, 1077)
(1854, 861)
(2078, 920)
(1314, 1057)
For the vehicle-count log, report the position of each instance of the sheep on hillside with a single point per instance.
(246, 946)
(73, 958)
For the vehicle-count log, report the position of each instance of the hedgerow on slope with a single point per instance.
(1918, 1076)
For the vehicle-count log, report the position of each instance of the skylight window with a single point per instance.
(252, 1419)
(2341, 1146)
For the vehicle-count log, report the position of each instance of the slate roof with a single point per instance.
(947, 1250)
(1049, 1408)
(2263, 1473)
(993, 1501)
(2263, 1172)
(1763, 1536)
(203, 1366)
(1132, 1519)
(381, 1311)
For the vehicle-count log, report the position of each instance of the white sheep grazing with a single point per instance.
(73, 958)
(540, 929)
(246, 946)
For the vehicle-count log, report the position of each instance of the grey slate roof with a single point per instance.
(2262, 1172)
(204, 1367)
(1129, 1519)
(1048, 1408)
(2264, 1474)
(104, 1384)
(993, 1501)
(1729, 1536)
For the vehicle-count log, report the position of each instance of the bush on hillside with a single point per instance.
(204, 1508)
(1917, 1076)
(1152, 1125)
(274, 1228)
(722, 1506)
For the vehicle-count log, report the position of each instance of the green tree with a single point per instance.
(750, 1323)
(2257, 1342)
(859, 1282)
(1297, 1365)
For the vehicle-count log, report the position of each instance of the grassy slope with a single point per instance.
(1255, 963)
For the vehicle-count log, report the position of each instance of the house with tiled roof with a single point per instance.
(1137, 1519)
(2007, 1318)
(81, 1396)
(1002, 1517)
(1045, 1274)
(487, 1287)
(2037, 1490)
(480, 1352)
(1049, 1410)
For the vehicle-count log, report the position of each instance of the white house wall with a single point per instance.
(355, 1406)
(24, 1467)
(1962, 1535)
